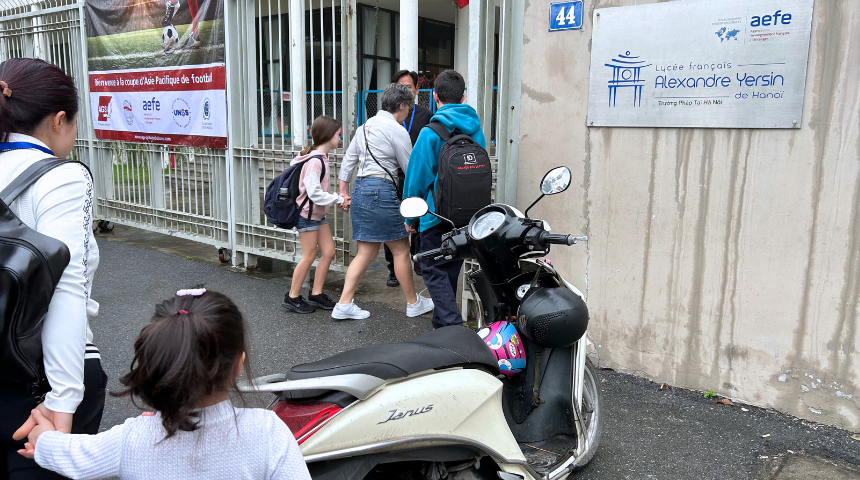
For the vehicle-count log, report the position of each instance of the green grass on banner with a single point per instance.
(143, 48)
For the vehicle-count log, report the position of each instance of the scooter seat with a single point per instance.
(442, 348)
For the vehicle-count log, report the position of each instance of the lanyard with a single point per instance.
(22, 145)
(409, 129)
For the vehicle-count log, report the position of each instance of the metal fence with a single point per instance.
(209, 195)
(275, 116)
(264, 145)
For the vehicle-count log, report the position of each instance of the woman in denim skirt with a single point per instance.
(380, 149)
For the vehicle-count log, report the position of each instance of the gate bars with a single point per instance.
(209, 195)
(264, 135)
(276, 66)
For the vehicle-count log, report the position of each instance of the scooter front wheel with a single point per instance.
(592, 414)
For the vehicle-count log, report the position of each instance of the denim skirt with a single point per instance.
(375, 211)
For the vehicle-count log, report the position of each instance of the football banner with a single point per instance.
(157, 71)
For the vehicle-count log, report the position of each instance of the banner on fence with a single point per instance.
(157, 71)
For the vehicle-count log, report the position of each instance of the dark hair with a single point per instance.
(187, 352)
(36, 89)
(396, 95)
(413, 75)
(450, 87)
(322, 130)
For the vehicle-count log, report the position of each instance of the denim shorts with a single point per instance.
(375, 211)
(306, 225)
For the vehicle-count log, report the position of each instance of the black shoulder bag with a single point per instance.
(31, 265)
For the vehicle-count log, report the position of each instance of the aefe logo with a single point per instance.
(151, 105)
(768, 20)
(104, 108)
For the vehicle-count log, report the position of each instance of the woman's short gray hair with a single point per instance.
(395, 95)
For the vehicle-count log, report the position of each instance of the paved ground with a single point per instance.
(650, 433)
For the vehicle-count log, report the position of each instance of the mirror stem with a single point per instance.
(453, 227)
(533, 204)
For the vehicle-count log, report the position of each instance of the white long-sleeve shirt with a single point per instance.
(60, 205)
(232, 443)
(388, 141)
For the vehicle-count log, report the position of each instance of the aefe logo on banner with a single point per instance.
(104, 108)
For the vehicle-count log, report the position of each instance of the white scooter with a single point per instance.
(436, 407)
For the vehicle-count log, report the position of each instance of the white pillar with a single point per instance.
(409, 35)
(349, 56)
(38, 39)
(461, 42)
(477, 54)
(298, 130)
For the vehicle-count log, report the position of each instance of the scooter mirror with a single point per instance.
(413, 207)
(555, 181)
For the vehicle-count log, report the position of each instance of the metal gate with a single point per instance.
(264, 135)
(278, 64)
(208, 195)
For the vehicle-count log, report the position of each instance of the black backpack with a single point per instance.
(31, 265)
(280, 203)
(465, 177)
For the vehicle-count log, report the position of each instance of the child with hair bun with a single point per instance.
(186, 361)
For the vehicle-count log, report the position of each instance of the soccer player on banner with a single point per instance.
(172, 8)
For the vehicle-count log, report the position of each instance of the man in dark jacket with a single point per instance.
(440, 276)
(417, 119)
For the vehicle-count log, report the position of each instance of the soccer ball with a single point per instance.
(169, 37)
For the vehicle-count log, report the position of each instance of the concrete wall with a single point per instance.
(718, 259)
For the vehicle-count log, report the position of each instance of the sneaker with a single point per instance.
(168, 16)
(420, 307)
(298, 305)
(350, 311)
(321, 301)
(392, 280)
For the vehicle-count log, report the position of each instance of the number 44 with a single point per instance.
(570, 19)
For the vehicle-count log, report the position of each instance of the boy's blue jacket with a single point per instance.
(424, 161)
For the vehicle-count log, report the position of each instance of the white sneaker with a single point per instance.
(349, 311)
(420, 307)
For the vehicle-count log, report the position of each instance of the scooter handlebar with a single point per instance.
(549, 239)
(431, 255)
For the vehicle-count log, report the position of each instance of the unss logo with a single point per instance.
(181, 113)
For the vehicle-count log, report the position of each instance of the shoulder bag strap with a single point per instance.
(33, 173)
(367, 147)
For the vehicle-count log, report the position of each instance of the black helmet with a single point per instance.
(553, 317)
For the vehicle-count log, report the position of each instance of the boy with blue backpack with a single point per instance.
(300, 198)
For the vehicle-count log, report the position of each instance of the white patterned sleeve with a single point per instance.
(81, 456)
(285, 457)
(62, 204)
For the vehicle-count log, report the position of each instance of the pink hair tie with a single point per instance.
(194, 292)
(183, 312)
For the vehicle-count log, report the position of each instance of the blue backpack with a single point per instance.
(280, 203)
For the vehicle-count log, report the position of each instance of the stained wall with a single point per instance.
(719, 259)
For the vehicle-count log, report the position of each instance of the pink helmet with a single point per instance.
(506, 346)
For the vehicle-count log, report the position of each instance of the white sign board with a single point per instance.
(726, 64)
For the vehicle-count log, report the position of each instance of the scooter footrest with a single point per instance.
(546, 455)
